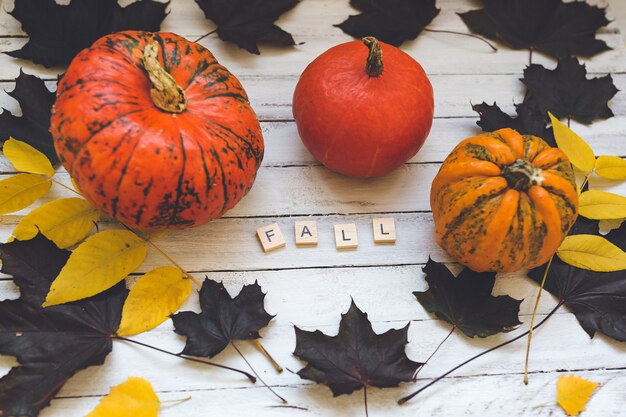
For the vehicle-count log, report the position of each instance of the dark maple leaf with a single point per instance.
(50, 344)
(551, 26)
(595, 298)
(466, 301)
(247, 23)
(566, 91)
(529, 121)
(222, 319)
(391, 21)
(356, 357)
(58, 32)
(33, 126)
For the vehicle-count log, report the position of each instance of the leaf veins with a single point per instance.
(466, 301)
(356, 357)
(58, 32)
(554, 27)
(50, 344)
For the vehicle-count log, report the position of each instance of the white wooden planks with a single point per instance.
(311, 287)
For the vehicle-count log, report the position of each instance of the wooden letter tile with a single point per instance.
(345, 236)
(384, 229)
(306, 233)
(271, 237)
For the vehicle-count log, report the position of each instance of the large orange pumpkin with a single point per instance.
(502, 201)
(363, 108)
(154, 131)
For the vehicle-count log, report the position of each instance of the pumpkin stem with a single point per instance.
(166, 94)
(374, 65)
(521, 175)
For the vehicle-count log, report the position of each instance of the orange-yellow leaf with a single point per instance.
(573, 393)
(135, 398)
(65, 221)
(577, 150)
(602, 205)
(20, 191)
(154, 297)
(98, 263)
(592, 252)
(25, 158)
(611, 167)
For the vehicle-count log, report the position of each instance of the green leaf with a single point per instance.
(592, 252)
(96, 265)
(577, 150)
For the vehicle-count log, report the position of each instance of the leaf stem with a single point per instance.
(64, 186)
(471, 35)
(433, 353)
(172, 403)
(205, 35)
(255, 373)
(165, 255)
(365, 399)
(408, 397)
(187, 358)
(532, 319)
(269, 357)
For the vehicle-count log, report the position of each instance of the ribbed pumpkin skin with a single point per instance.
(146, 167)
(488, 225)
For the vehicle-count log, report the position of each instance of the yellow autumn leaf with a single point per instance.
(134, 397)
(611, 167)
(592, 252)
(577, 150)
(98, 263)
(152, 299)
(65, 221)
(573, 393)
(22, 190)
(600, 205)
(25, 158)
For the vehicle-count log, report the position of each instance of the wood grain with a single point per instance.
(312, 286)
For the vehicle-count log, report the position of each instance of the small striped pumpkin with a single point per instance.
(155, 132)
(503, 202)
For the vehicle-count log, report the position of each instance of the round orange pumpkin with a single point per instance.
(502, 201)
(363, 108)
(155, 132)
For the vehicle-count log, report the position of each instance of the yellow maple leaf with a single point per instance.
(573, 393)
(134, 397)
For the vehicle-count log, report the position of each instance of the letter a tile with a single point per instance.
(271, 237)
(306, 233)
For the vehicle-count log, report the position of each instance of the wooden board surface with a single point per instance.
(311, 286)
